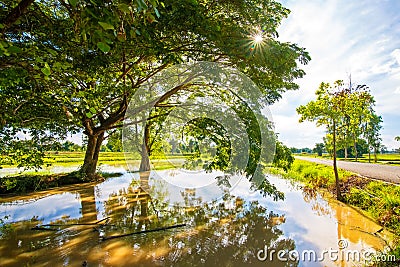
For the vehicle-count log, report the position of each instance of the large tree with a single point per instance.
(90, 57)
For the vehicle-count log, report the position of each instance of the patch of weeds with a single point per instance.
(4, 227)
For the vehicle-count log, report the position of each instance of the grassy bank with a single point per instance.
(379, 200)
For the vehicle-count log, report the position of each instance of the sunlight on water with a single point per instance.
(231, 230)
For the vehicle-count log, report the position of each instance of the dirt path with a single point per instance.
(374, 171)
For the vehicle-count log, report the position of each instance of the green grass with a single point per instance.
(72, 159)
(34, 182)
(311, 173)
(379, 199)
(76, 158)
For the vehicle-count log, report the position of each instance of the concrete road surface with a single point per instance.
(375, 171)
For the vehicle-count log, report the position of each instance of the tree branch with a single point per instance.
(16, 13)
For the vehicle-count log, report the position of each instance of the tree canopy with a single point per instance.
(75, 65)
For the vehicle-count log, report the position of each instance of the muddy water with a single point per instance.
(244, 228)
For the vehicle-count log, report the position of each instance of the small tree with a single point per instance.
(319, 148)
(397, 138)
(283, 156)
(372, 135)
(346, 112)
(326, 112)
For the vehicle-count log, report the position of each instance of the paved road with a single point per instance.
(374, 171)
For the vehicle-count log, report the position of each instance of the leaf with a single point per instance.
(106, 26)
(157, 13)
(137, 32)
(89, 115)
(14, 49)
(73, 2)
(92, 110)
(46, 70)
(142, 5)
(124, 8)
(103, 47)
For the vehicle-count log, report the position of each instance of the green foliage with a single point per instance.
(34, 182)
(362, 148)
(313, 174)
(5, 228)
(319, 148)
(114, 142)
(381, 201)
(24, 153)
(283, 157)
(58, 50)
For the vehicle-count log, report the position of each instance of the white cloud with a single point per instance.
(343, 37)
(296, 134)
(396, 55)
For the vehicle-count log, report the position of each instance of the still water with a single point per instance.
(243, 228)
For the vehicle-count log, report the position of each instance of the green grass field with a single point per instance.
(66, 159)
(120, 159)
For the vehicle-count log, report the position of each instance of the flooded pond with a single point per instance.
(82, 226)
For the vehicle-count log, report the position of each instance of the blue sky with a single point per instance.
(357, 37)
(361, 38)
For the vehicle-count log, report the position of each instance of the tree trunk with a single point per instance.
(338, 194)
(145, 162)
(369, 155)
(345, 152)
(16, 13)
(92, 156)
(145, 153)
(355, 149)
(88, 203)
(375, 156)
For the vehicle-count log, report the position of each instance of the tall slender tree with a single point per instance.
(326, 111)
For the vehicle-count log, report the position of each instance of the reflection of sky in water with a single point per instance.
(108, 187)
(303, 224)
(205, 185)
(309, 230)
(48, 209)
(189, 179)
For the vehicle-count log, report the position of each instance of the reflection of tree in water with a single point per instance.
(310, 195)
(228, 232)
(133, 207)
